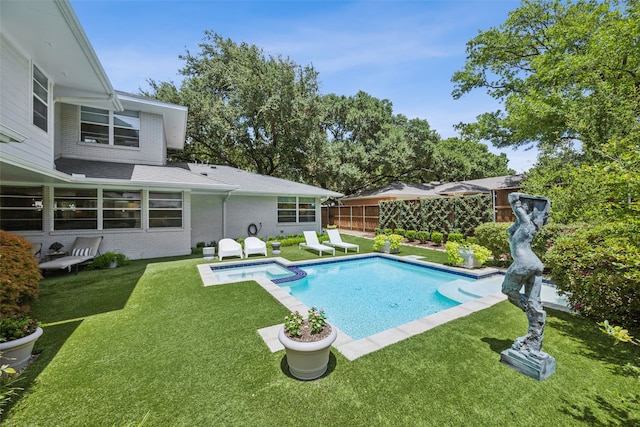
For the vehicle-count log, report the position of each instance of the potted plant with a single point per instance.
(307, 343)
(468, 255)
(387, 243)
(19, 286)
(109, 260)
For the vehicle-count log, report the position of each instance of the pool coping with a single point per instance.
(347, 346)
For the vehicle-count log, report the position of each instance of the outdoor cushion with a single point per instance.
(81, 252)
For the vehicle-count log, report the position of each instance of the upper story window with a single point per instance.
(296, 209)
(21, 208)
(110, 128)
(40, 99)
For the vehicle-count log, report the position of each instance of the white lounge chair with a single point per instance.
(253, 245)
(229, 247)
(336, 240)
(312, 243)
(83, 251)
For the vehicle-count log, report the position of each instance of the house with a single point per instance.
(78, 158)
(360, 211)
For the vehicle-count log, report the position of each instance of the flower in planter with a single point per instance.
(13, 328)
(308, 329)
(480, 253)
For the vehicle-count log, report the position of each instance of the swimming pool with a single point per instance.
(253, 271)
(365, 296)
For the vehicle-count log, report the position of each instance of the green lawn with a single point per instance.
(148, 342)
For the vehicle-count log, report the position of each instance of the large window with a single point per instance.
(21, 208)
(40, 99)
(110, 128)
(75, 209)
(296, 209)
(165, 209)
(121, 209)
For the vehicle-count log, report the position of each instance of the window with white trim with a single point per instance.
(75, 209)
(120, 128)
(21, 208)
(121, 209)
(296, 209)
(40, 99)
(165, 209)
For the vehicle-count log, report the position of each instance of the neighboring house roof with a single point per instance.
(208, 178)
(401, 190)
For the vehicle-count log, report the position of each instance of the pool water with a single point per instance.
(270, 270)
(366, 296)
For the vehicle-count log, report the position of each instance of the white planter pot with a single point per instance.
(17, 353)
(470, 260)
(307, 360)
(208, 253)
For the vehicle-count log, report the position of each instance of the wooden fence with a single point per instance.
(356, 218)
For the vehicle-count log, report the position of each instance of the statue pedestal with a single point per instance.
(539, 366)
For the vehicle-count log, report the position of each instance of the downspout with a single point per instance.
(224, 214)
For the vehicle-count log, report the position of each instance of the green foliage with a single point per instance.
(395, 241)
(423, 236)
(457, 159)
(19, 275)
(547, 235)
(495, 237)
(388, 231)
(13, 328)
(377, 231)
(400, 231)
(455, 237)
(105, 260)
(293, 324)
(317, 320)
(410, 235)
(437, 237)
(481, 253)
(7, 388)
(598, 268)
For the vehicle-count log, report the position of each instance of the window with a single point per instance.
(40, 99)
(296, 209)
(21, 208)
(165, 209)
(75, 209)
(121, 209)
(110, 128)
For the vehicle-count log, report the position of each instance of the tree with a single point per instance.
(456, 159)
(246, 109)
(565, 71)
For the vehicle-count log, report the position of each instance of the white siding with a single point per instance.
(206, 218)
(151, 150)
(15, 108)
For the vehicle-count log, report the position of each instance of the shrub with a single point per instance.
(437, 237)
(411, 235)
(598, 268)
(455, 237)
(105, 260)
(495, 237)
(388, 231)
(423, 236)
(481, 253)
(547, 235)
(200, 245)
(395, 241)
(19, 275)
(377, 231)
(399, 231)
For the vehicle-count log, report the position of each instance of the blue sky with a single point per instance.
(403, 51)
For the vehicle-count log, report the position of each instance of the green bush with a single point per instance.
(455, 237)
(437, 237)
(395, 241)
(495, 237)
(388, 231)
(423, 236)
(547, 235)
(399, 231)
(105, 260)
(598, 268)
(19, 275)
(410, 235)
(481, 253)
(377, 231)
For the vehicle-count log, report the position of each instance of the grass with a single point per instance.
(148, 342)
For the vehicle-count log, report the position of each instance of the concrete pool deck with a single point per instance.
(353, 349)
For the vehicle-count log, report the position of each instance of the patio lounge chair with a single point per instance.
(253, 245)
(336, 240)
(229, 247)
(83, 251)
(312, 243)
